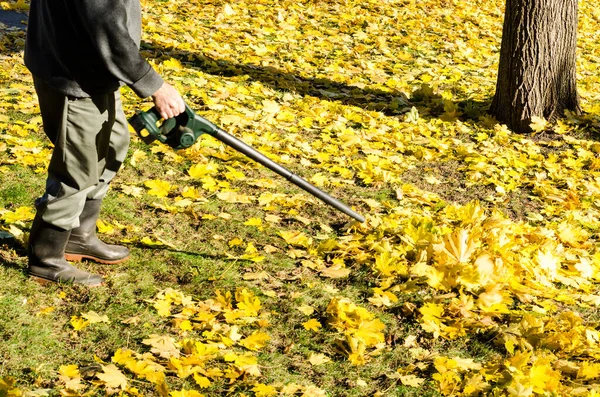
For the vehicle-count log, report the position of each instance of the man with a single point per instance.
(80, 52)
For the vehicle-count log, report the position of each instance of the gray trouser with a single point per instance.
(91, 138)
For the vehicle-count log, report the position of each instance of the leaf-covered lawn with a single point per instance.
(477, 271)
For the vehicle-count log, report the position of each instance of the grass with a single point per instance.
(19, 186)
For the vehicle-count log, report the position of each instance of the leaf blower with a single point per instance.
(182, 131)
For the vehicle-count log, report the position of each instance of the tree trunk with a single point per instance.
(536, 74)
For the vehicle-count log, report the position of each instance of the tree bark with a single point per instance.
(536, 74)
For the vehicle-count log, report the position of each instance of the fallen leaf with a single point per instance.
(318, 359)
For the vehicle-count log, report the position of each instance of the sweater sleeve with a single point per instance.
(106, 22)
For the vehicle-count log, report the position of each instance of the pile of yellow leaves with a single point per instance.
(360, 328)
(491, 276)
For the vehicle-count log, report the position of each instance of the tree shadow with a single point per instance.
(12, 32)
(11, 20)
(390, 103)
(429, 103)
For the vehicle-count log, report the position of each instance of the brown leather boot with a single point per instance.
(46, 257)
(84, 244)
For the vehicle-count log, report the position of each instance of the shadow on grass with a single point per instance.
(12, 32)
(390, 103)
(12, 20)
(12, 253)
(163, 248)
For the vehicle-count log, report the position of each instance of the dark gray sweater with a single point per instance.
(85, 47)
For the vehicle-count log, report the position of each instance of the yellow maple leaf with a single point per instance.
(318, 359)
(370, 332)
(589, 370)
(411, 380)
(548, 263)
(20, 5)
(104, 228)
(412, 116)
(172, 63)
(224, 300)
(246, 362)
(123, 356)
(134, 191)
(112, 377)
(256, 341)
(307, 310)
(254, 257)
(272, 218)
(137, 156)
(383, 298)
(251, 249)
(247, 302)
(234, 175)
(432, 311)
(228, 10)
(20, 214)
(486, 269)
(147, 241)
(270, 106)
(543, 377)
(262, 390)
(191, 192)
(456, 247)
(358, 351)
(432, 180)
(319, 179)
(586, 270)
(475, 384)
(312, 325)
(571, 234)
(146, 369)
(70, 371)
(493, 299)
(313, 391)
(73, 384)
(79, 323)
(158, 187)
(296, 238)
(335, 271)
(202, 381)
(235, 242)
(200, 170)
(538, 124)
(94, 317)
(466, 364)
(253, 222)
(163, 307)
(519, 390)
(162, 345)
(45, 310)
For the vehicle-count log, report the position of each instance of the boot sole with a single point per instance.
(81, 257)
(44, 282)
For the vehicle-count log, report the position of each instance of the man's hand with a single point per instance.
(168, 101)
